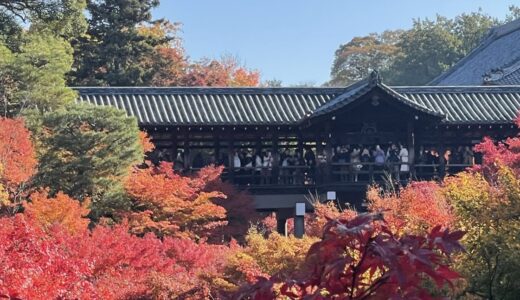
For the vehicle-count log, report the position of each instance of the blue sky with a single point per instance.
(294, 40)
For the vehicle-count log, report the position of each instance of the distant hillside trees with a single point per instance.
(414, 56)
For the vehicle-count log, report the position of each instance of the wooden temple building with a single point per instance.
(320, 128)
(197, 126)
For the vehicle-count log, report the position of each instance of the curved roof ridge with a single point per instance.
(408, 101)
(493, 35)
(506, 28)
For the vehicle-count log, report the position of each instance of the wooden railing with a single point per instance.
(335, 173)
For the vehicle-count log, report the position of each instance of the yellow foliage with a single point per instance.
(274, 255)
(4, 196)
(488, 211)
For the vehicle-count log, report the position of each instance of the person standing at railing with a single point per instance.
(343, 158)
(310, 161)
(248, 165)
(366, 159)
(355, 160)
(258, 167)
(322, 169)
(237, 164)
(267, 166)
(403, 157)
(299, 166)
(379, 157)
(379, 161)
(468, 156)
(393, 160)
(178, 164)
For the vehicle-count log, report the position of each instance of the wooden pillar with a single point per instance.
(411, 146)
(231, 154)
(300, 143)
(282, 215)
(281, 225)
(173, 149)
(328, 152)
(275, 174)
(319, 169)
(442, 159)
(187, 154)
(216, 148)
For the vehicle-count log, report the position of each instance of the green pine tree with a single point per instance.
(113, 51)
(34, 77)
(87, 151)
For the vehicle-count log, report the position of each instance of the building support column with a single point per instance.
(410, 132)
(327, 177)
(299, 220)
(282, 215)
(275, 172)
(442, 159)
(231, 161)
(216, 149)
(173, 149)
(187, 154)
(319, 169)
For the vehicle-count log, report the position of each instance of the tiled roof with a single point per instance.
(355, 91)
(272, 106)
(500, 49)
(468, 104)
(212, 106)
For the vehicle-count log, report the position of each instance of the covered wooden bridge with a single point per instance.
(281, 143)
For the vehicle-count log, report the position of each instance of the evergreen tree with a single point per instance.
(34, 77)
(114, 50)
(86, 151)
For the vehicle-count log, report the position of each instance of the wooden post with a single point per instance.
(318, 170)
(411, 147)
(275, 172)
(300, 143)
(187, 154)
(173, 149)
(328, 151)
(442, 159)
(216, 149)
(231, 161)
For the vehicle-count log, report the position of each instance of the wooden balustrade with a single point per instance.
(335, 173)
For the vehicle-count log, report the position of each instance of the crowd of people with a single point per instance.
(347, 163)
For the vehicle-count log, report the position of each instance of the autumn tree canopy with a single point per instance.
(167, 203)
(362, 258)
(17, 161)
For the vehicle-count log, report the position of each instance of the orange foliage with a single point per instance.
(323, 213)
(169, 204)
(243, 77)
(146, 142)
(226, 72)
(17, 156)
(417, 208)
(60, 209)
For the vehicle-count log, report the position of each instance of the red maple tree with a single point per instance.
(167, 203)
(17, 155)
(362, 258)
